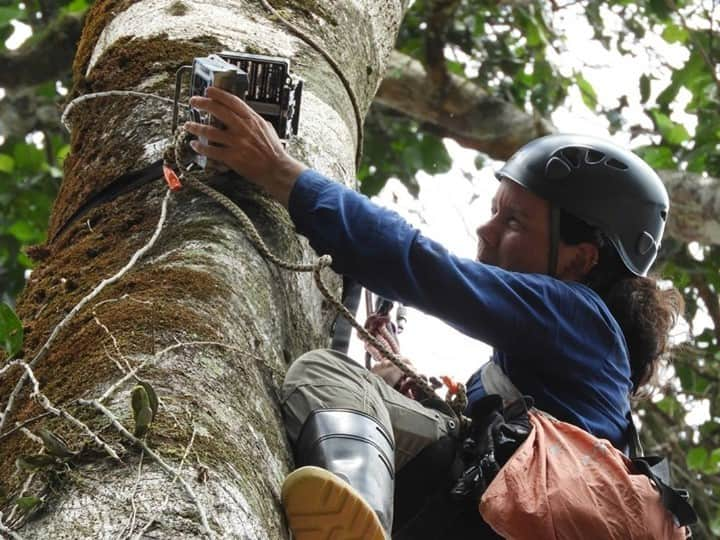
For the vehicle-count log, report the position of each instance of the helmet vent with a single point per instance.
(593, 157)
(573, 156)
(615, 164)
(663, 215)
(557, 169)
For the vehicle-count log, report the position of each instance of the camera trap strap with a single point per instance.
(120, 186)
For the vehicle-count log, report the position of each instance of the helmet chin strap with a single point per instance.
(554, 240)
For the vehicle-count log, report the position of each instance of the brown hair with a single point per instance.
(645, 312)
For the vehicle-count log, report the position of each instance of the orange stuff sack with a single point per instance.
(564, 483)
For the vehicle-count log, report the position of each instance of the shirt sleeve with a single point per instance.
(514, 312)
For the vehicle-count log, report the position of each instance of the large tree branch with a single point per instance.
(23, 111)
(47, 56)
(463, 112)
(695, 207)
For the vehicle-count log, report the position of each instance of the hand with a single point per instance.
(389, 372)
(248, 144)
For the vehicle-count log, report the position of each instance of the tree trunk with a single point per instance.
(214, 324)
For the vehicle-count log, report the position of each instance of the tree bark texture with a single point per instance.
(216, 324)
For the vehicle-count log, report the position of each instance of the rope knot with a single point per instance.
(324, 261)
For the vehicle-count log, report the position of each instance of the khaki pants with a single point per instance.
(325, 378)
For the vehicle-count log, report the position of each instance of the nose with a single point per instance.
(487, 233)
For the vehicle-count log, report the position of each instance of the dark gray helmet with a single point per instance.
(604, 185)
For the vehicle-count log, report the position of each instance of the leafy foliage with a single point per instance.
(11, 331)
(30, 164)
(399, 148)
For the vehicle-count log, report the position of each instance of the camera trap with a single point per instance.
(263, 82)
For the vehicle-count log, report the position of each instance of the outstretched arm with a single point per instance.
(248, 144)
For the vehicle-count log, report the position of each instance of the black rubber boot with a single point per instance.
(343, 488)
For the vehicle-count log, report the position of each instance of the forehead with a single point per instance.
(512, 195)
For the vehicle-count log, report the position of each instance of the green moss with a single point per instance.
(177, 9)
(100, 14)
(126, 63)
(307, 8)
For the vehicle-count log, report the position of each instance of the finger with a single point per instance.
(390, 340)
(218, 153)
(211, 133)
(219, 111)
(231, 101)
(374, 353)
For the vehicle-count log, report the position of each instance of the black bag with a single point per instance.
(437, 493)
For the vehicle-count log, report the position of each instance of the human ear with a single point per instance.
(577, 260)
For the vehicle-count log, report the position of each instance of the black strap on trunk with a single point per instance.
(120, 186)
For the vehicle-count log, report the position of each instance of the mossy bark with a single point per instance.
(216, 323)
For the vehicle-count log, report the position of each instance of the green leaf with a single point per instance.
(28, 503)
(28, 157)
(153, 401)
(669, 405)
(62, 152)
(76, 6)
(36, 462)
(11, 330)
(142, 412)
(587, 91)
(644, 88)
(674, 33)
(55, 445)
(713, 463)
(7, 163)
(458, 68)
(671, 131)
(10, 13)
(696, 458)
(435, 158)
(658, 157)
(25, 232)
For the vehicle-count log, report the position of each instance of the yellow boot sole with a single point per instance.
(321, 506)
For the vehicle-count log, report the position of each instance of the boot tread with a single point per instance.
(321, 506)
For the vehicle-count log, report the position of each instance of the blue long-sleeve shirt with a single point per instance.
(555, 340)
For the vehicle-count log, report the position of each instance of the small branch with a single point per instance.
(5, 530)
(115, 344)
(711, 301)
(46, 404)
(24, 424)
(109, 281)
(703, 53)
(30, 435)
(140, 443)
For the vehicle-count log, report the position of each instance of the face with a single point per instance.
(516, 237)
